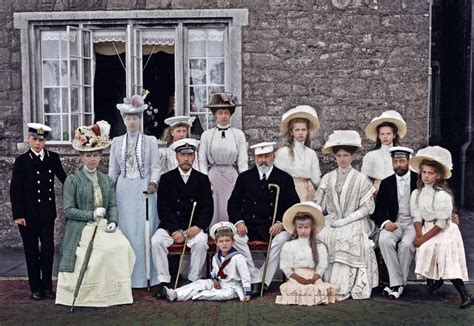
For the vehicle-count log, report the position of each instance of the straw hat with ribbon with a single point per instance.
(302, 112)
(434, 153)
(387, 116)
(307, 207)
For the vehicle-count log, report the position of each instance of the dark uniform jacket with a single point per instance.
(386, 204)
(253, 202)
(32, 185)
(176, 199)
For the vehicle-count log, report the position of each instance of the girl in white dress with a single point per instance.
(296, 157)
(222, 148)
(440, 249)
(304, 260)
(386, 131)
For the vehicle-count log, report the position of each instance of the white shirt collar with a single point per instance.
(223, 127)
(299, 144)
(267, 174)
(385, 148)
(185, 173)
(405, 177)
(40, 154)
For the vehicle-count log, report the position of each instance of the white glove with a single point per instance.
(99, 213)
(355, 216)
(111, 227)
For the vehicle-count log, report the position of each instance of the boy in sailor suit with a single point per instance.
(230, 276)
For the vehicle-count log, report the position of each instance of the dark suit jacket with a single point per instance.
(175, 201)
(253, 202)
(32, 186)
(386, 205)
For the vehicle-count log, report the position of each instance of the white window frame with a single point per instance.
(29, 24)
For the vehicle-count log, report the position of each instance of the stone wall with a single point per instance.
(350, 59)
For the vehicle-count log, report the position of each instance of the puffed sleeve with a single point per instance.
(323, 259)
(286, 261)
(315, 170)
(443, 208)
(367, 165)
(414, 207)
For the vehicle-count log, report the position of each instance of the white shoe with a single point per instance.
(396, 294)
(387, 291)
(171, 295)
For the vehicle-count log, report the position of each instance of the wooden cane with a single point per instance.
(184, 247)
(275, 210)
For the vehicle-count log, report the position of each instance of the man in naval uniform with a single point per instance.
(251, 208)
(177, 191)
(34, 208)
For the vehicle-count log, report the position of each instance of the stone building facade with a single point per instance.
(350, 59)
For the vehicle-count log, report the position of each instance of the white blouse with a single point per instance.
(377, 164)
(215, 149)
(431, 206)
(304, 165)
(297, 254)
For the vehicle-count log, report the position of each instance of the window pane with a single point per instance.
(87, 72)
(88, 119)
(64, 94)
(197, 71)
(65, 134)
(197, 43)
(86, 48)
(216, 71)
(63, 79)
(74, 75)
(216, 89)
(49, 49)
(74, 99)
(54, 122)
(87, 99)
(215, 43)
(51, 100)
(73, 43)
(198, 98)
(50, 73)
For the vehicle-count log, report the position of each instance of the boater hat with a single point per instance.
(307, 207)
(302, 112)
(387, 116)
(92, 138)
(263, 148)
(433, 153)
(223, 101)
(38, 130)
(342, 138)
(132, 105)
(185, 145)
(398, 151)
(172, 121)
(220, 226)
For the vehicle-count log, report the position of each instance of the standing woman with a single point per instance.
(135, 167)
(386, 130)
(89, 204)
(347, 197)
(440, 249)
(297, 158)
(179, 127)
(222, 148)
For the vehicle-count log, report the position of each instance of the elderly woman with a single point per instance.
(386, 131)
(347, 196)
(90, 209)
(297, 158)
(135, 168)
(221, 148)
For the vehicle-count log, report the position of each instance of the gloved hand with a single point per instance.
(99, 213)
(355, 216)
(152, 187)
(111, 227)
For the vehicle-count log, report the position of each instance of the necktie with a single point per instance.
(401, 187)
(264, 177)
(223, 131)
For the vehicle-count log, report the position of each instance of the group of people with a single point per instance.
(321, 231)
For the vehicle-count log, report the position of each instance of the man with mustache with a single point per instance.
(251, 208)
(177, 191)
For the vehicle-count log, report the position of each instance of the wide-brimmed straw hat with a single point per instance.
(223, 101)
(302, 112)
(92, 138)
(342, 138)
(387, 116)
(306, 207)
(132, 105)
(222, 225)
(434, 153)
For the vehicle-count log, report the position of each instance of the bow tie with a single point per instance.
(223, 131)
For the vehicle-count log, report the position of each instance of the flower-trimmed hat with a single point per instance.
(434, 153)
(38, 130)
(222, 225)
(223, 101)
(302, 112)
(342, 138)
(132, 105)
(307, 207)
(387, 116)
(92, 138)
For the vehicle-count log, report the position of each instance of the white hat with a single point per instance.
(342, 138)
(307, 207)
(400, 150)
(263, 148)
(434, 153)
(172, 121)
(302, 112)
(387, 116)
(38, 130)
(185, 145)
(222, 225)
(92, 138)
(132, 105)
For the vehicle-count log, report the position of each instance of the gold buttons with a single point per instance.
(50, 180)
(39, 191)
(37, 172)
(38, 182)
(39, 200)
(50, 189)
(50, 171)
(50, 199)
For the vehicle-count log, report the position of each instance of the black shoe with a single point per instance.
(48, 294)
(162, 292)
(257, 288)
(466, 299)
(37, 295)
(438, 284)
(431, 286)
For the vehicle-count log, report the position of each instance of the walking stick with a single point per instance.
(147, 240)
(277, 196)
(184, 247)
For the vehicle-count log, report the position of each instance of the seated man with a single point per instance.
(251, 208)
(177, 191)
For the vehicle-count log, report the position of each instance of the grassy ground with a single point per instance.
(416, 307)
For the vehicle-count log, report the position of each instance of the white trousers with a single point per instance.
(399, 260)
(204, 290)
(160, 242)
(273, 261)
